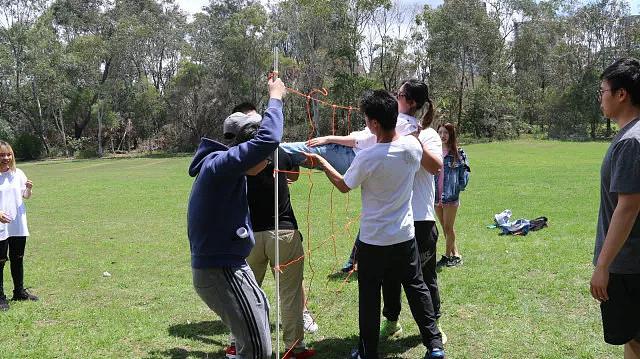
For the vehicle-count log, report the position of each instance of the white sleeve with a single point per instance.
(22, 179)
(404, 127)
(364, 139)
(355, 173)
(431, 141)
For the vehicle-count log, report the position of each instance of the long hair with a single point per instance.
(427, 118)
(452, 144)
(12, 164)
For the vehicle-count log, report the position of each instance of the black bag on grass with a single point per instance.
(538, 223)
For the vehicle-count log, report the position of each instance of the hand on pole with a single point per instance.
(276, 88)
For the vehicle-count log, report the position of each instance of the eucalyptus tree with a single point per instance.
(461, 39)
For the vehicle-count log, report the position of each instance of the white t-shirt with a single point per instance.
(423, 184)
(364, 139)
(386, 172)
(12, 185)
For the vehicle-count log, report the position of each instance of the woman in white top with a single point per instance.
(14, 187)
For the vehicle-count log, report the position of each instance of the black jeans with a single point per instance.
(427, 238)
(15, 247)
(385, 263)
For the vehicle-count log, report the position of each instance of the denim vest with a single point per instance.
(456, 177)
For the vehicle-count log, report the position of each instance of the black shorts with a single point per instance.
(621, 313)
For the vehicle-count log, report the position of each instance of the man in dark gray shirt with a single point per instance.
(616, 278)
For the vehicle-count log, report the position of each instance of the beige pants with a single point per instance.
(263, 254)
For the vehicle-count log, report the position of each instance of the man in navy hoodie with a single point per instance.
(220, 232)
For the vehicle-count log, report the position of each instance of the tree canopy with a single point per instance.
(84, 77)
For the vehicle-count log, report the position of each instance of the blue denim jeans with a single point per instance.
(339, 156)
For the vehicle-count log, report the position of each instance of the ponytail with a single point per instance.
(427, 118)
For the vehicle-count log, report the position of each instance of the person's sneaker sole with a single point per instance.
(435, 354)
(393, 335)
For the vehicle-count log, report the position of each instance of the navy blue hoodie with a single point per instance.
(218, 202)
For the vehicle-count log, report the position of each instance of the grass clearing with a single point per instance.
(514, 297)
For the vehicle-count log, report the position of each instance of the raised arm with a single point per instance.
(348, 141)
(27, 191)
(238, 159)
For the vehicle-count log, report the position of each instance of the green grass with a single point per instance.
(514, 297)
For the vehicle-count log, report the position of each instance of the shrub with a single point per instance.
(6, 132)
(27, 147)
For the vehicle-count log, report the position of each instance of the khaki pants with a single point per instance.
(263, 254)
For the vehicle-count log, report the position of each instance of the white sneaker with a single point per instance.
(309, 325)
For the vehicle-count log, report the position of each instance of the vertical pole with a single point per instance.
(277, 220)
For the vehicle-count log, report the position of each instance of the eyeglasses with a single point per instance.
(399, 94)
(601, 92)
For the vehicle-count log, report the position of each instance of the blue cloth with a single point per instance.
(519, 225)
(456, 177)
(218, 211)
(339, 156)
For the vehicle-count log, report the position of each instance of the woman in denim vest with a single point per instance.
(449, 182)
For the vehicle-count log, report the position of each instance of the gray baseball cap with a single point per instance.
(232, 124)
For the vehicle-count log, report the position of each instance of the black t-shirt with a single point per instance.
(260, 196)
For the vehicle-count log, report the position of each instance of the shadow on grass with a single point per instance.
(181, 353)
(201, 331)
(393, 348)
(339, 276)
(328, 348)
(335, 348)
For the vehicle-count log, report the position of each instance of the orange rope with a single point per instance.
(333, 235)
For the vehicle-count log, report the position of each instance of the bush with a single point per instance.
(55, 152)
(83, 147)
(6, 132)
(27, 147)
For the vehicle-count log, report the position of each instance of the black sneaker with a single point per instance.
(348, 267)
(444, 261)
(4, 305)
(23, 295)
(454, 261)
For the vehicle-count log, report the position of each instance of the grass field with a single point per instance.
(514, 297)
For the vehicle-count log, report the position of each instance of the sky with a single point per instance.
(194, 6)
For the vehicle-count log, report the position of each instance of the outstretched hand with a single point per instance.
(318, 141)
(313, 159)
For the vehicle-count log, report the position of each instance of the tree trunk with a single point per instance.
(78, 128)
(40, 127)
(100, 113)
(460, 93)
(60, 122)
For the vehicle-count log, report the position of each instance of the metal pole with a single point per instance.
(277, 220)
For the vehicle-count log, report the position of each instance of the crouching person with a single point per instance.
(220, 232)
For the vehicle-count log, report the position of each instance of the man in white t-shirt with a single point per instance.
(422, 203)
(388, 251)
